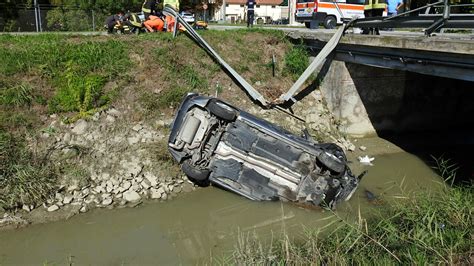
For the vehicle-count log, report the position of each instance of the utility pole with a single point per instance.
(291, 10)
(223, 10)
(39, 18)
(93, 21)
(36, 15)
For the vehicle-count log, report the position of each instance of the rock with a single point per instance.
(145, 184)
(351, 147)
(113, 112)
(105, 176)
(133, 140)
(107, 202)
(363, 148)
(187, 187)
(110, 119)
(96, 116)
(161, 190)
(135, 187)
(26, 208)
(84, 209)
(67, 138)
(68, 199)
(72, 187)
(152, 179)
(137, 127)
(125, 186)
(131, 196)
(80, 127)
(155, 194)
(53, 208)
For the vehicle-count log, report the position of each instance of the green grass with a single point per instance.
(24, 177)
(77, 70)
(421, 229)
(296, 62)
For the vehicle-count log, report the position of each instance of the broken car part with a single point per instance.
(218, 143)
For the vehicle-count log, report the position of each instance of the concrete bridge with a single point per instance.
(398, 81)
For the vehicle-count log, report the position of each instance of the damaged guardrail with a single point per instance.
(254, 94)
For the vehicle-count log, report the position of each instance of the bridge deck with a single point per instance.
(446, 55)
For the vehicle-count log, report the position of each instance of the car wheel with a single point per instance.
(221, 110)
(307, 25)
(331, 162)
(194, 173)
(330, 22)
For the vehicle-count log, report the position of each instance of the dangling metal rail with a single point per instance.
(242, 82)
(254, 94)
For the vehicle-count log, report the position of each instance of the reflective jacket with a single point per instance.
(375, 4)
(149, 6)
(173, 3)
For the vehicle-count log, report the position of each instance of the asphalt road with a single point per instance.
(418, 33)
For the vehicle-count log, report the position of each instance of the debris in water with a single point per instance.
(366, 160)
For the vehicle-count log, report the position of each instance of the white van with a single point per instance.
(326, 12)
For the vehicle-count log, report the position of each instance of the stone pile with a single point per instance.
(107, 191)
(117, 162)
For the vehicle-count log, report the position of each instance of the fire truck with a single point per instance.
(329, 13)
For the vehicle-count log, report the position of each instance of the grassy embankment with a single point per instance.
(76, 76)
(419, 229)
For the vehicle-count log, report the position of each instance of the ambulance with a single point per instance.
(329, 13)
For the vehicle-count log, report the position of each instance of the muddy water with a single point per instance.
(196, 226)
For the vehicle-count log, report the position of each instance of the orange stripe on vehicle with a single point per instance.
(341, 6)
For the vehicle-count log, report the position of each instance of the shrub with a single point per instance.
(77, 93)
(68, 20)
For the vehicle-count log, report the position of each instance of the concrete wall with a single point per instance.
(375, 100)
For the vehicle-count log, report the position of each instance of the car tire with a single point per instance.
(331, 162)
(221, 110)
(307, 25)
(194, 173)
(330, 22)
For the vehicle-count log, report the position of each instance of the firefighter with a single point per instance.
(149, 7)
(169, 19)
(133, 21)
(112, 21)
(373, 8)
(154, 23)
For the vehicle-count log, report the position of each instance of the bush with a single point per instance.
(77, 92)
(69, 20)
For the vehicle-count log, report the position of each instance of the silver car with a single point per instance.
(218, 144)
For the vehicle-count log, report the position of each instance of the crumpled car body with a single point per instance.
(219, 144)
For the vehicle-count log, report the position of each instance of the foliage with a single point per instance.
(77, 92)
(296, 61)
(423, 229)
(24, 178)
(69, 20)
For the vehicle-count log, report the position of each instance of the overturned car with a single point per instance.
(219, 144)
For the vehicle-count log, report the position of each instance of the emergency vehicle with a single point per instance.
(326, 12)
